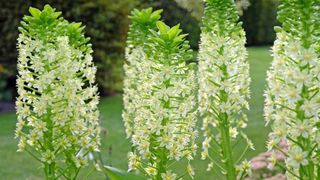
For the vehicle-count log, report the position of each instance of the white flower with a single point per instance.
(152, 171)
(134, 161)
(168, 176)
(206, 143)
(210, 166)
(245, 168)
(297, 157)
(48, 157)
(301, 128)
(310, 107)
(190, 171)
(272, 160)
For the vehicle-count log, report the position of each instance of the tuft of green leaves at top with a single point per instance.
(221, 17)
(169, 41)
(142, 22)
(47, 24)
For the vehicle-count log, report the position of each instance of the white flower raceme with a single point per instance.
(224, 82)
(293, 104)
(142, 22)
(160, 102)
(292, 99)
(57, 102)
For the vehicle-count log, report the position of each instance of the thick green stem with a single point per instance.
(161, 164)
(49, 167)
(50, 174)
(311, 174)
(311, 171)
(227, 151)
(306, 172)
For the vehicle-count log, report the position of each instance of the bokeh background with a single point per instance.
(107, 24)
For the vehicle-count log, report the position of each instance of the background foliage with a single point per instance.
(259, 20)
(107, 24)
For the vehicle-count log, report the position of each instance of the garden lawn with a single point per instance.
(14, 165)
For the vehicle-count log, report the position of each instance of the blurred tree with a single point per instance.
(5, 89)
(259, 20)
(196, 6)
(106, 23)
(258, 16)
(10, 16)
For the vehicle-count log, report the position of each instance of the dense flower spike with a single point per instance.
(142, 22)
(57, 102)
(224, 86)
(292, 101)
(160, 101)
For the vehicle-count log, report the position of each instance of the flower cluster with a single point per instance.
(142, 22)
(224, 83)
(57, 102)
(160, 102)
(292, 99)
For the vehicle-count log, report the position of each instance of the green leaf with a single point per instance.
(56, 14)
(174, 31)
(277, 29)
(149, 10)
(118, 174)
(34, 12)
(48, 8)
(163, 28)
(180, 38)
(156, 15)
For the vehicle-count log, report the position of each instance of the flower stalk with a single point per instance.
(292, 95)
(160, 102)
(224, 86)
(57, 103)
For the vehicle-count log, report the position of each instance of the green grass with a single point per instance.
(14, 165)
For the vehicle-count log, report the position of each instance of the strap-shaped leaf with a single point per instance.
(118, 174)
(34, 12)
(163, 28)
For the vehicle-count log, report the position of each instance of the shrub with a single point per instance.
(5, 91)
(224, 87)
(160, 102)
(292, 95)
(57, 103)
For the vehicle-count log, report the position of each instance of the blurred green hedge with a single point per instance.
(107, 24)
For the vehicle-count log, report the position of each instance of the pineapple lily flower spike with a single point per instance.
(57, 103)
(292, 97)
(223, 89)
(162, 94)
